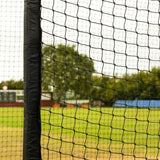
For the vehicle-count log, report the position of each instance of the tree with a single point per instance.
(103, 89)
(64, 69)
(154, 83)
(143, 85)
(13, 84)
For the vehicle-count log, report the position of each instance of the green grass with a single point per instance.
(129, 131)
(11, 117)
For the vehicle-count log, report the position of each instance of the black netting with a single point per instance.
(101, 62)
(11, 79)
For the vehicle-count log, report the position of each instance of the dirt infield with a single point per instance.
(11, 147)
(11, 143)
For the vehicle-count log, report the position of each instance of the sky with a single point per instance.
(11, 39)
(132, 45)
(120, 36)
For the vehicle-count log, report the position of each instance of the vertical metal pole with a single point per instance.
(32, 80)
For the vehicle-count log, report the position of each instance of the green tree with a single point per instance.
(154, 83)
(13, 84)
(133, 86)
(143, 85)
(103, 89)
(64, 69)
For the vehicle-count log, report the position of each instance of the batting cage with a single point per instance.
(91, 80)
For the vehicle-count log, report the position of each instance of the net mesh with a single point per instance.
(11, 75)
(101, 61)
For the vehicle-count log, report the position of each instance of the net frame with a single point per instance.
(32, 80)
(139, 42)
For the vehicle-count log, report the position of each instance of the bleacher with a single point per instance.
(137, 103)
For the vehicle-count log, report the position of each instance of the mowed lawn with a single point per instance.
(97, 133)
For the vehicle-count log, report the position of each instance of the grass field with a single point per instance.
(101, 134)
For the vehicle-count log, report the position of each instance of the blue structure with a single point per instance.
(137, 103)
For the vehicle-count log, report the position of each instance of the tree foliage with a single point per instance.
(102, 89)
(13, 84)
(64, 69)
(67, 70)
(143, 85)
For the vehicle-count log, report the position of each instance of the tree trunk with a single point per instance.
(60, 96)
